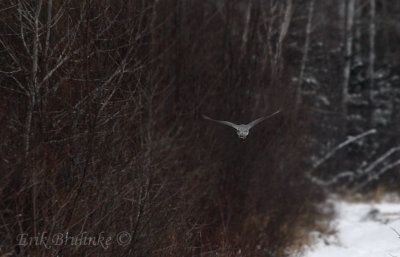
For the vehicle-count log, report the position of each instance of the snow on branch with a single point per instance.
(349, 140)
(375, 176)
(369, 172)
(381, 159)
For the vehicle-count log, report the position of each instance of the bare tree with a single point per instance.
(348, 54)
(304, 59)
(372, 32)
(245, 35)
(283, 31)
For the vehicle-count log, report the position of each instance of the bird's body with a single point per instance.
(242, 130)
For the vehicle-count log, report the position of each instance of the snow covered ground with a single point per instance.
(363, 230)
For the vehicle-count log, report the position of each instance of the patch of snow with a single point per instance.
(381, 73)
(381, 116)
(311, 80)
(323, 99)
(395, 77)
(363, 230)
(357, 62)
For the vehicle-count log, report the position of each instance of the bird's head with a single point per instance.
(242, 133)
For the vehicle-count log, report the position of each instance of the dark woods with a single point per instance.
(101, 130)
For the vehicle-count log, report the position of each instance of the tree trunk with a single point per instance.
(348, 55)
(372, 32)
(305, 54)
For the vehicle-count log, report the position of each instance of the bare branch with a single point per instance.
(350, 140)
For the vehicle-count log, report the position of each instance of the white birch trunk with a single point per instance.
(246, 27)
(357, 32)
(372, 32)
(305, 54)
(348, 55)
(284, 28)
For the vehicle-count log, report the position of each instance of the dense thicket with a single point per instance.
(101, 128)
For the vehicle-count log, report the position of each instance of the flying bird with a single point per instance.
(242, 130)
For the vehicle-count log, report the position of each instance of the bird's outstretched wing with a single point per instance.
(233, 125)
(255, 122)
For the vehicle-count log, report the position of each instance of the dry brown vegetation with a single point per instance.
(101, 131)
